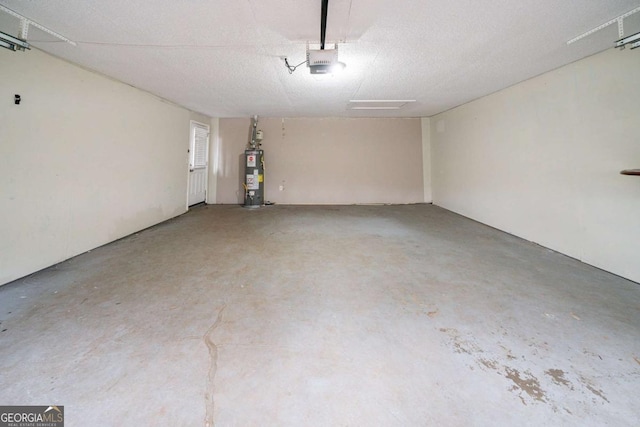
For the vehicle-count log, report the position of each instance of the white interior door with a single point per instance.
(198, 164)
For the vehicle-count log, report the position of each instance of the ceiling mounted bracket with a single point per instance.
(323, 22)
(620, 27)
(24, 29)
(25, 22)
(619, 20)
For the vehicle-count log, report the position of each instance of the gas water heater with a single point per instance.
(254, 169)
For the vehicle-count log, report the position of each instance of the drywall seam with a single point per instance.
(425, 123)
(214, 156)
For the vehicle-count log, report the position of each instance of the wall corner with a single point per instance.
(214, 162)
(426, 158)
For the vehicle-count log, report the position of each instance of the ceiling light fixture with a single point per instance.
(320, 61)
(12, 43)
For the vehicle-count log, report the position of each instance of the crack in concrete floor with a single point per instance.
(386, 315)
(209, 420)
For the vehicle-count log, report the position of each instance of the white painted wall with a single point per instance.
(541, 160)
(327, 160)
(84, 160)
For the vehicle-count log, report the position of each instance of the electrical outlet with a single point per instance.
(281, 188)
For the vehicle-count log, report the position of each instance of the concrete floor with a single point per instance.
(323, 316)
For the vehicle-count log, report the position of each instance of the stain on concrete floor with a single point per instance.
(349, 315)
(525, 382)
(557, 375)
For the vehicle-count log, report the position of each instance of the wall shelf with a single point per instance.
(630, 172)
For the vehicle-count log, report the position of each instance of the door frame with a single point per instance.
(192, 128)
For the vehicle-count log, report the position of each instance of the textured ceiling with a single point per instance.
(223, 58)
